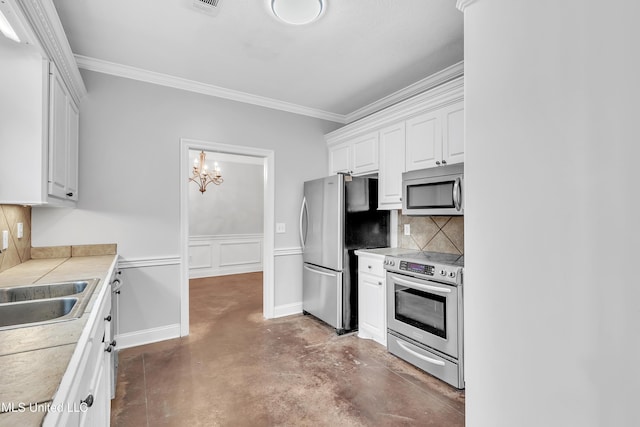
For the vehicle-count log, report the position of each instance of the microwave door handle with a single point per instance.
(420, 356)
(420, 286)
(457, 195)
(303, 209)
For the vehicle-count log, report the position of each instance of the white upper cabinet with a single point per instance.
(39, 113)
(340, 159)
(453, 133)
(392, 154)
(358, 156)
(424, 141)
(424, 131)
(63, 140)
(436, 138)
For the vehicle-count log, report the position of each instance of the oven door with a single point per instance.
(424, 311)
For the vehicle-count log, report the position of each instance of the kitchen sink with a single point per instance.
(40, 304)
(52, 290)
(29, 312)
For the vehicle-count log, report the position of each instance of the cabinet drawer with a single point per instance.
(371, 265)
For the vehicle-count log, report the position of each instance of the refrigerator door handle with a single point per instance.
(320, 271)
(303, 209)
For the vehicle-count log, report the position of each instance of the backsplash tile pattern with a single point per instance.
(432, 233)
(19, 250)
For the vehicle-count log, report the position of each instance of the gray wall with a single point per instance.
(233, 207)
(129, 182)
(552, 323)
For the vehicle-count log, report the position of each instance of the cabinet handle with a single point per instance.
(444, 162)
(438, 162)
(88, 401)
(69, 194)
(112, 345)
(380, 283)
(108, 318)
(369, 267)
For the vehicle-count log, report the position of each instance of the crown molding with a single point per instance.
(436, 79)
(106, 67)
(45, 23)
(463, 4)
(445, 94)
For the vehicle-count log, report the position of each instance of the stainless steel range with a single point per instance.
(425, 314)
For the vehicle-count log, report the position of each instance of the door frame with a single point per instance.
(268, 156)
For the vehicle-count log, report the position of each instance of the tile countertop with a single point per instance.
(34, 359)
(382, 252)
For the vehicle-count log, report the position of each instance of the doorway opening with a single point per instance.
(248, 159)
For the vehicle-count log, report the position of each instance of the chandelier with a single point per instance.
(202, 176)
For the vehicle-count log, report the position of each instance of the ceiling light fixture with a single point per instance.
(202, 176)
(297, 12)
(7, 29)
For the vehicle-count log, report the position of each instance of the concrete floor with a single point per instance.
(237, 369)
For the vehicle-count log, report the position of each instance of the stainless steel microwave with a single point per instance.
(434, 191)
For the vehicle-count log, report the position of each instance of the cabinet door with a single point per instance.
(453, 133)
(99, 413)
(340, 159)
(392, 158)
(424, 141)
(71, 191)
(58, 135)
(365, 154)
(371, 308)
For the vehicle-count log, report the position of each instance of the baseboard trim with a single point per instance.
(287, 309)
(225, 271)
(148, 336)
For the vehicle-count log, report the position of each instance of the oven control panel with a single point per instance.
(415, 267)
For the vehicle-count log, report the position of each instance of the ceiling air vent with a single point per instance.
(207, 6)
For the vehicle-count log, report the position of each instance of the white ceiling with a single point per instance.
(358, 52)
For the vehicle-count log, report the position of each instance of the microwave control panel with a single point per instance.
(414, 267)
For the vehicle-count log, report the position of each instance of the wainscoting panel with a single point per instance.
(225, 254)
(288, 293)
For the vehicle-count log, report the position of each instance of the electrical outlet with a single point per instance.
(20, 232)
(280, 227)
(5, 239)
(407, 229)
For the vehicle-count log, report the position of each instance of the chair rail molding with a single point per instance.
(125, 263)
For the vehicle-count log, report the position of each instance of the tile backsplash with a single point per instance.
(19, 250)
(432, 233)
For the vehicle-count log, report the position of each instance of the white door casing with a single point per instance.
(268, 157)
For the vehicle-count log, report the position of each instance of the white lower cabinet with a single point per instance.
(84, 396)
(372, 298)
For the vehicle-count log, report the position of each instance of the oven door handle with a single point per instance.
(420, 286)
(420, 356)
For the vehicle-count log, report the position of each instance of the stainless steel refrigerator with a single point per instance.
(338, 216)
